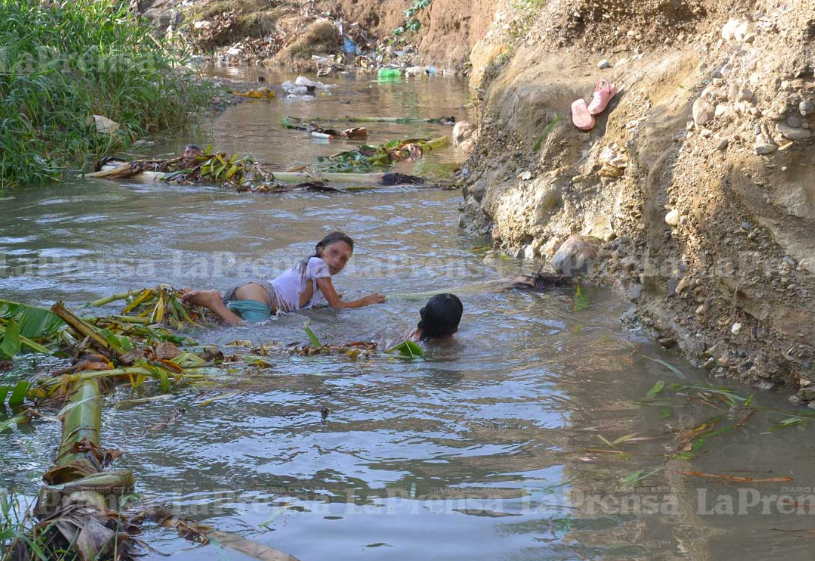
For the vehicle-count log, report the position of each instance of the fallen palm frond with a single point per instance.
(365, 157)
(356, 133)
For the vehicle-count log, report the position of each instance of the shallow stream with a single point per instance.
(500, 445)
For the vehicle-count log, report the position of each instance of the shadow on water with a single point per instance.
(489, 448)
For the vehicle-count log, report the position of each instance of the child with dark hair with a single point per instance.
(304, 286)
(439, 318)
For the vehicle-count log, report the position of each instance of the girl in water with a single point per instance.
(306, 285)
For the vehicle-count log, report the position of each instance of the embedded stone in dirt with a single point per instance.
(703, 112)
(575, 255)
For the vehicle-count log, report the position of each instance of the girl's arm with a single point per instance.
(327, 288)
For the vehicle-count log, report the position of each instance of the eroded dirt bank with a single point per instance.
(696, 186)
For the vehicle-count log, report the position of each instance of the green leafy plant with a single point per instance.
(63, 62)
(26, 328)
(407, 349)
(412, 23)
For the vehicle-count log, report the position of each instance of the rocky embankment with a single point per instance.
(694, 192)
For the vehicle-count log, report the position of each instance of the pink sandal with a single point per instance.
(581, 117)
(603, 94)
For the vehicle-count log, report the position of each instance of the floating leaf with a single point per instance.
(18, 395)
(656, 389)
(789, 422)
(670, 367)
(407, 349)
(10, 345)
(640, 475)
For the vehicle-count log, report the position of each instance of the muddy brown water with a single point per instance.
(489, 448)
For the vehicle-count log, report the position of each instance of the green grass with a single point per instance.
(61, 63)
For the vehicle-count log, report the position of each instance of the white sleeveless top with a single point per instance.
(291, 284)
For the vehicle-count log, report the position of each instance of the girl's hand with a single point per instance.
(373, 299)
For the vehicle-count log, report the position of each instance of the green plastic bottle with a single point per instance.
(389, 73)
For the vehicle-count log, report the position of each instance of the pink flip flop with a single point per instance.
(581, 117)
(603, 94)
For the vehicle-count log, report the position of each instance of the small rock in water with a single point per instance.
(604, 64)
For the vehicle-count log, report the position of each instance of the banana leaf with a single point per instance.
(407, 349)
(23, 326)
(18, 395)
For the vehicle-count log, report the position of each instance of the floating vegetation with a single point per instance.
(366, 158)
(27, 329)
(161, 305)
(242, 174)
(581, 301)
(447, 121)
(407, 349)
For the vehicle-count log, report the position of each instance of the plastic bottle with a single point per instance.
(389, 73)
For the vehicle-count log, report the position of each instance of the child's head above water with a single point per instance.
(192, 151)
(335, 250)
(440, 316)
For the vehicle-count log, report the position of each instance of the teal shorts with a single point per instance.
(250, 310)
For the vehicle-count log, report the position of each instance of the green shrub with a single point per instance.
(63, 62)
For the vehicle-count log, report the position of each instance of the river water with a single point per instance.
(500, 445)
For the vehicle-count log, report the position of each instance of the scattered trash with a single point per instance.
(389, 73)
(263, 93)
(356, 133)
(105, 125)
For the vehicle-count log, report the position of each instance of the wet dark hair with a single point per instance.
(440, 316)
(192, 147)
(333, 237)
